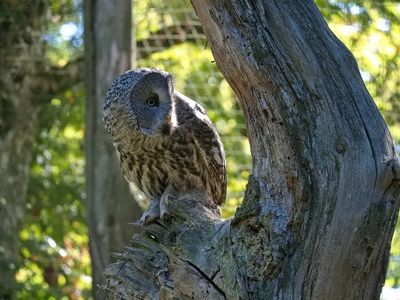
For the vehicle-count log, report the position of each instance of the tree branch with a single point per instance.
(198, 255)
(167, 259)
(319, 145)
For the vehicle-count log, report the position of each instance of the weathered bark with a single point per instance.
(321, 205)
(110, 206)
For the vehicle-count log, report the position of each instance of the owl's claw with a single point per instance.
(157, 209)
(151, 214)
(148, 218)
(164, 212)
(165, 215)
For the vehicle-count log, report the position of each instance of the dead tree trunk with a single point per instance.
(322, 202)
(110, 206)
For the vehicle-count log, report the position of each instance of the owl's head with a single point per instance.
(142, 100)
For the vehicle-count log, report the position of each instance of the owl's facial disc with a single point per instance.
(152, 104)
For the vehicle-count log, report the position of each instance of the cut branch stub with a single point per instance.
(172, 259)
(197, 255)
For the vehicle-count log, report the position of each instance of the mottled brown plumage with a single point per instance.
(165, 141)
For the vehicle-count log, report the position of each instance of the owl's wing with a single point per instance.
(212, 150)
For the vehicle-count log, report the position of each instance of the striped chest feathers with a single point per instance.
(153, 163)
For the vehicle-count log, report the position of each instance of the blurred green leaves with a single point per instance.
(64, 32)
(54, 238)
(55, 252)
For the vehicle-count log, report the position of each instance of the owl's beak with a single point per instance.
(168, 127)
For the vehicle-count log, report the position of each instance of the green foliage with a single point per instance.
(393, 273)
(64, 31)
(54, 237)
(153, 15)
(56, 262)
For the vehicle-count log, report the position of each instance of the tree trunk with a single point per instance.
(18, 122)
(110, 206)
(321, 205)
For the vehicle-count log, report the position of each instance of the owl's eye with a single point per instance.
(152, 101)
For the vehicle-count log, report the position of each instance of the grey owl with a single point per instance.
(165, 141)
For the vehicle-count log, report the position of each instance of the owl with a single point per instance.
(165, 141)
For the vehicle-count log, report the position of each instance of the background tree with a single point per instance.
(16, 135)
(110, 205)
(26, 85)
(325, 176)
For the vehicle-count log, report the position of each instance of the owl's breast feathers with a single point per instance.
(192, 156)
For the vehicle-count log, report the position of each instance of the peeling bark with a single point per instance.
(321, 205)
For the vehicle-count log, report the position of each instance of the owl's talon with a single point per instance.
(165, 215)
(165, 198)
(147, 219)
(151, 214)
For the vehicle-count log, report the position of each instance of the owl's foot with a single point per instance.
(151, 214)
(165, 214)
